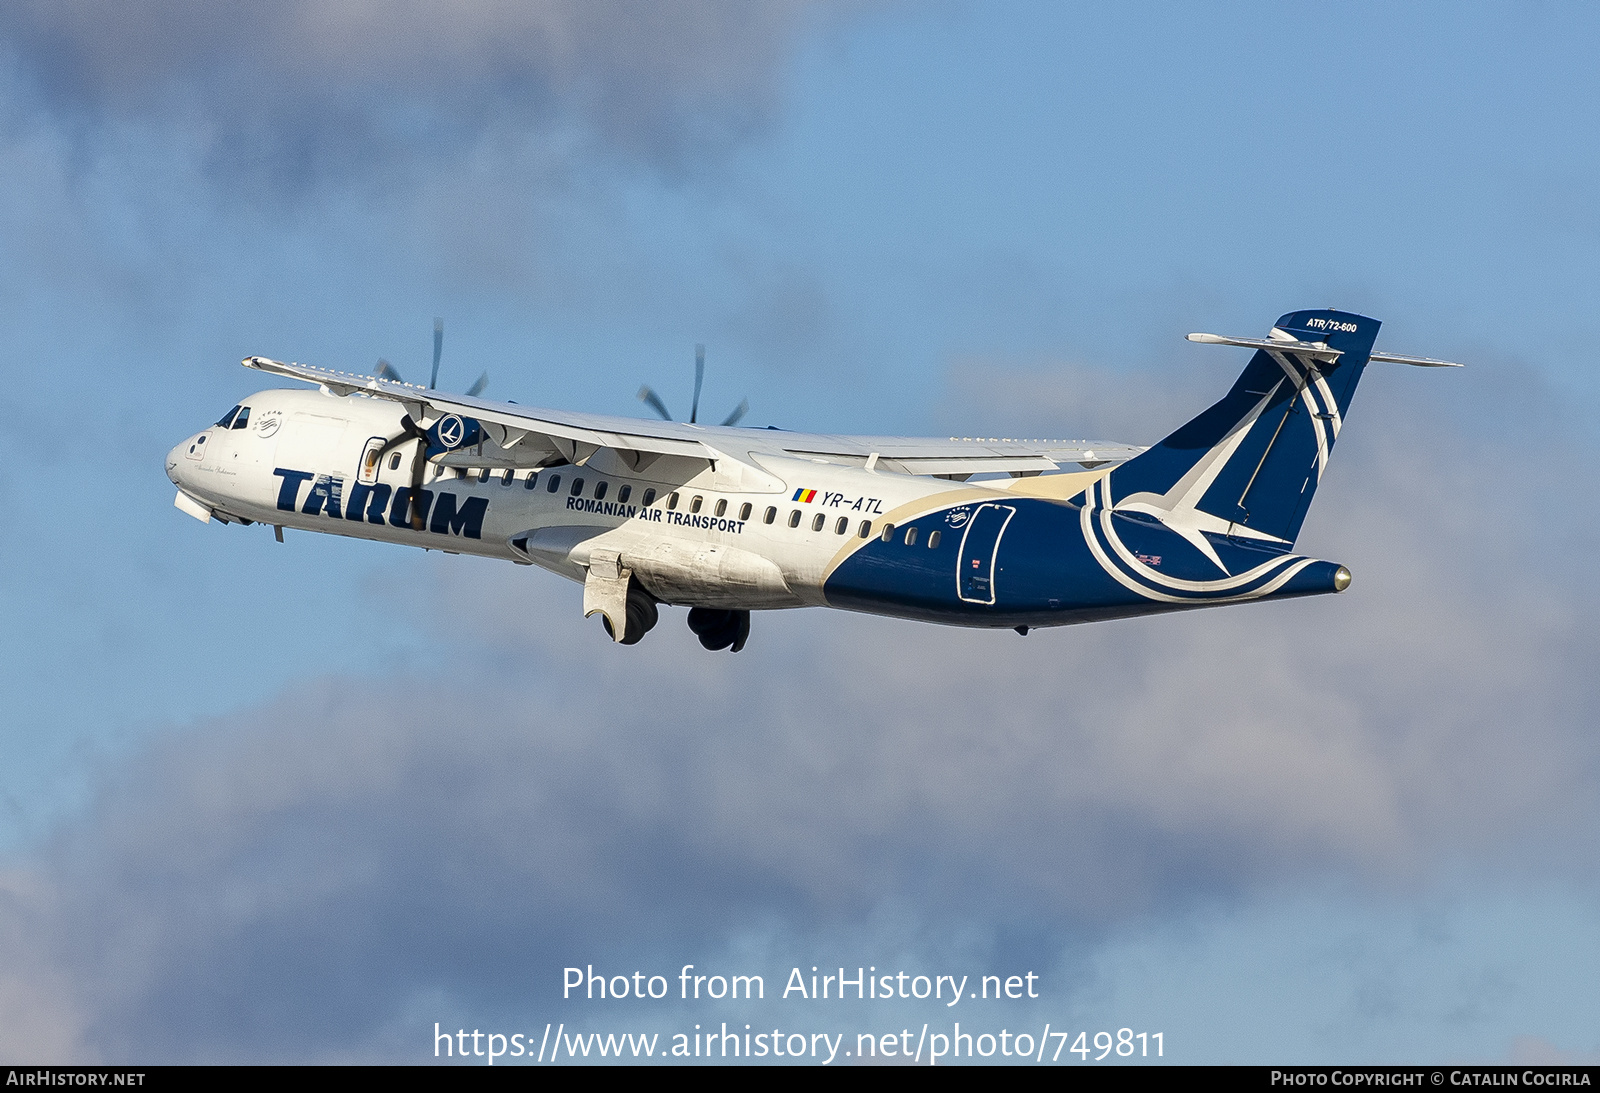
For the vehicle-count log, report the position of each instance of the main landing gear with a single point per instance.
(642, 615)
(718, 629)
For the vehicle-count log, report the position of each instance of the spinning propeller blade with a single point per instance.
(699, 378)
(478, 385)
(653, 400)
(409, 430)
(648, 396)
(738, 413)
(438, 348)
(385, 371)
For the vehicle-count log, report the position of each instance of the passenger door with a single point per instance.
(980, 547)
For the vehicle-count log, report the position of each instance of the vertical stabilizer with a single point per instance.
(1249, 465)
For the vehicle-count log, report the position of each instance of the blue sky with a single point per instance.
(301, 801)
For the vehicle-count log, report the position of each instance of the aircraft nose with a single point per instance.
(175, 462)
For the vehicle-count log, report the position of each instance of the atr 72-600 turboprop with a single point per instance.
(969, 531)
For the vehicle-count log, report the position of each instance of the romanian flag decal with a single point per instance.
(804, 495)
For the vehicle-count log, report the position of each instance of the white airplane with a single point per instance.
(970, 531)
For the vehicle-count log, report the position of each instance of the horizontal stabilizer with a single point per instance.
(1319, 350)
(1420, 362)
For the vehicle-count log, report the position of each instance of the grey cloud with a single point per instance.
(303, 877)
(298, 88)
(38, 1012)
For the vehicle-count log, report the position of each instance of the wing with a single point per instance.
(955, 457)
(530, 435)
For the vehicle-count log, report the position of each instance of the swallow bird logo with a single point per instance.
(450, 431)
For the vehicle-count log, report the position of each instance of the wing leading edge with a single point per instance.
(532, 435)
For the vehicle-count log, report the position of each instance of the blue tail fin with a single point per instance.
(1248, 467)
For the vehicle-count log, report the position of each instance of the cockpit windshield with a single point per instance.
(227, 418)
(243, 420)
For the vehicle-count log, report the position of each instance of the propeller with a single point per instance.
(438, 348)
(410, 430)
(699, 378)
(386, 371)
(653, 400)
(648, 396)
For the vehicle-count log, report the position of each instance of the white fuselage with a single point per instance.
(758, 530)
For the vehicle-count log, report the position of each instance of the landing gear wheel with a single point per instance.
(719, 629)
(642, 616)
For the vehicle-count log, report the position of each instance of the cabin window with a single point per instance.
(483, 475)
(227, 418)
(461, 472)
(600, 491)
(888, 533)
(722, 506)
(577, 487)
(770, 515)
(911, 536)
(794, 518)
(394, 461)
(933, 540)
(694, 506)
(533, 480)
(672, 500)
(744, 511)
(842, 526)
(623, 494)
(817, 522)
(866, 529)
(243, 419)
(507, 478)
(649, 496)
(555, 483)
